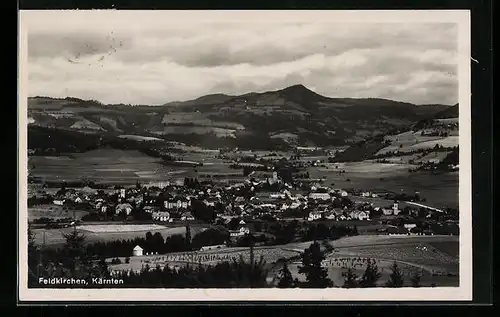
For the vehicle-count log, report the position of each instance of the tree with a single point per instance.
(415, 279)
(316, 275)
(371, 275)
(211, 236)
(33, 257)
(396, 278)
(188, 236)
(350, 279)
(286, 279)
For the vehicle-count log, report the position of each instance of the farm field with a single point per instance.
(410, 140)
(427, 279)
(139, 138)
(120, 228)
(412, 253)
(106, 166)
(439, 190)
(54, 237)
(208, 257)
(53, 212)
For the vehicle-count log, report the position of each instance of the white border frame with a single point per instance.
(463, 292)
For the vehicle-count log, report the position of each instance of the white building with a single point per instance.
(127, 208)
(58, 202)
(360, 215)
(187, 216)
(137, 251)
(314, 216)
(410, 226)
(240, 232)
(160, 216)
(320, 196)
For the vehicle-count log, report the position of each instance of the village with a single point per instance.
(255, 200)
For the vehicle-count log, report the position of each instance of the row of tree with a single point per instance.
(317, 275)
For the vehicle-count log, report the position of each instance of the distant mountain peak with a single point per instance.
(297, 88)
(301, 94)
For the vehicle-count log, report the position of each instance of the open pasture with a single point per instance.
(139, 138)
(439, 190)
(449, 141)
(410, 141)
(103, 166)
(208, 257)
(411, 253)
(54, 237)
(53, 212)
(120, 228)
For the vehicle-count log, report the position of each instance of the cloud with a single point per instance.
(118, 61)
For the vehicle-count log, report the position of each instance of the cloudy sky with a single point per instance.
(118, 59)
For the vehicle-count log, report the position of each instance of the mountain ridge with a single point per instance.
(294, 115)
(294, 91)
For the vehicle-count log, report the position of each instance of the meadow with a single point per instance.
(53, 212)
(412, 253)
(54, 237)
(440, 190)
(103, 166)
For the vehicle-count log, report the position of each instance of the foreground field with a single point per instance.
(412, 253)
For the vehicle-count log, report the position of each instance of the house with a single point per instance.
(137, 251)
(314, 216)
(59, 202)
(160, 215)
(395, 209)
(319, 196)
(360, 215)
(104, 209)
(126, 208)
(212, 247)
(242, 230)
(179, 203)
(410, 226)
(187, 216)
(149, 209)
(78, 200)
(387, 211)
(330, 216)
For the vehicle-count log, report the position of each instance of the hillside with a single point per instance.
(432, 140)
(265, 119)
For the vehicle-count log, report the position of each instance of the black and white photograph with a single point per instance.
(244, 155)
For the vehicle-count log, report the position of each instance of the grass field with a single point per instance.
(425, 254)
(54, 237)
(53, 212)
(139, 138)
(104, 165)
(439, 190)
(407, 251)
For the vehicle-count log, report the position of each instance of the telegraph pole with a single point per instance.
(74, 221)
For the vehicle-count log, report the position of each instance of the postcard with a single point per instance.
(196, 156)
